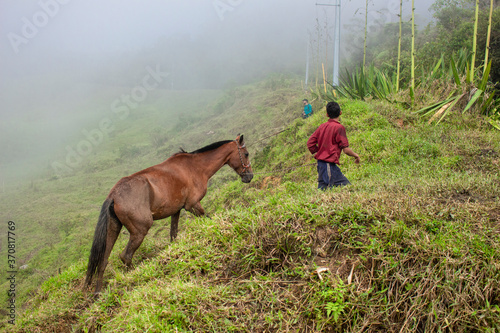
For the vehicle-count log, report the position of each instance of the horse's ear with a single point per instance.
(239, 139)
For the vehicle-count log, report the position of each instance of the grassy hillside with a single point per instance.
(411, 246)
(55, 214)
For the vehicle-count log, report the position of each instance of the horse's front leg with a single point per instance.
(174, 225)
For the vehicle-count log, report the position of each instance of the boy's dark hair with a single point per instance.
(305, 100)
(333, 110)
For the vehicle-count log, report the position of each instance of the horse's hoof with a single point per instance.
(95, 295)
(122, 258)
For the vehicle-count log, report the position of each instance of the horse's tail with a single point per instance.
(99, 244)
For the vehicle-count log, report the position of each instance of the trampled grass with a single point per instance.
(412, 246)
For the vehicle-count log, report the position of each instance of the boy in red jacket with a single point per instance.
(328, 142)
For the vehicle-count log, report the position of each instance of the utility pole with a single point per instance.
(336, 50)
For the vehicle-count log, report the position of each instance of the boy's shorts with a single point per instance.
(329, 175)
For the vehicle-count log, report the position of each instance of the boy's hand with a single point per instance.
(350, 152)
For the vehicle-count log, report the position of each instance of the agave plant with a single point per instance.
(355, 85)
(479, 95)
(369, 82)
(474, 89)
(440, 71)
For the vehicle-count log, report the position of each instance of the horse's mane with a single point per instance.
(211, 146)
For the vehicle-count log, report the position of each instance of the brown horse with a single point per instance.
(158, 192)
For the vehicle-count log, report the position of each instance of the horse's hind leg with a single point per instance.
(137, 234)
(174, 225)
(114, 228)
(133, 244)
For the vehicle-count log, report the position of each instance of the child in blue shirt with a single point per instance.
(307, 109)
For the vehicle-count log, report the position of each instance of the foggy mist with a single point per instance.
(59, 56)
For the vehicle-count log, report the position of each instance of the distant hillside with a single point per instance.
(412, 246)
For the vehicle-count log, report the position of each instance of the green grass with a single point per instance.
(411, 246)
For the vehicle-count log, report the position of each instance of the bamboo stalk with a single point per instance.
(324, 77)
(317, 51)
(474, 41)
(413, 52)
(366, 32)
(399, 43)
(307, 64)
(486, 53)
(326, 44)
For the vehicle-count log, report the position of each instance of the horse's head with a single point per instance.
(240, 162)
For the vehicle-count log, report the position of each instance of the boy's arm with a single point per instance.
(312, 143)
(350, 152)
